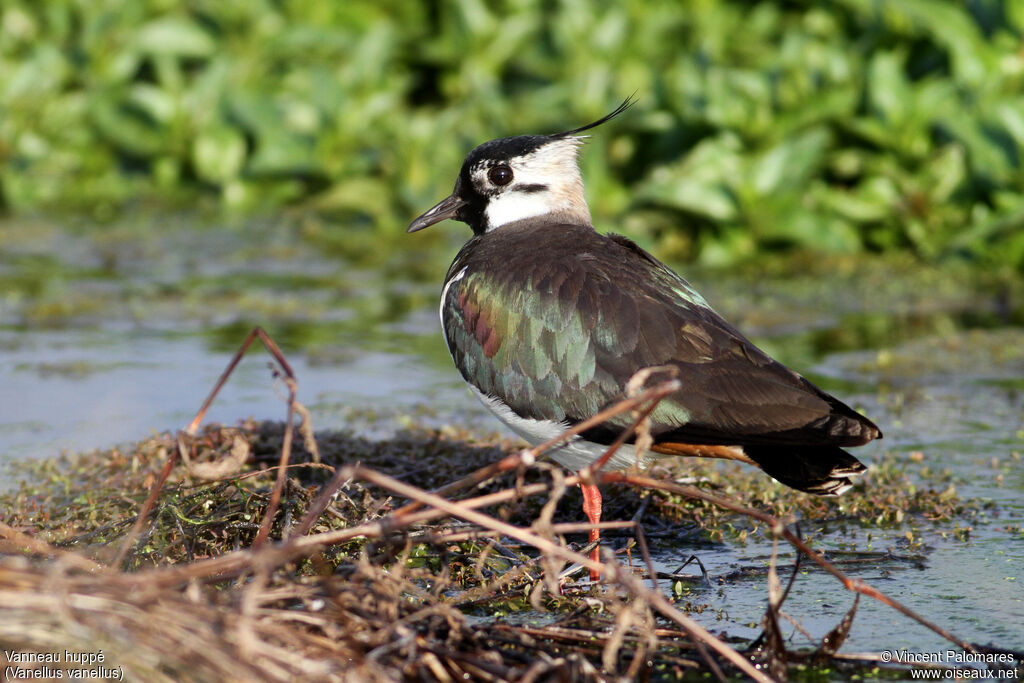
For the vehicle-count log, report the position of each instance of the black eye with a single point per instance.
(500, 175)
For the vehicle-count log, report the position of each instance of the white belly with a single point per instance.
(576, 454)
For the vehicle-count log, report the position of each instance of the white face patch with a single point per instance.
(515, 206)
(546, 181)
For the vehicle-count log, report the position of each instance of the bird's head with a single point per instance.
(509, 179)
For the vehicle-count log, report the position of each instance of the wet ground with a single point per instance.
(106, 335)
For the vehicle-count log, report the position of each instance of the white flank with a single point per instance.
(840, 490)
(444, 295)
(575, 455)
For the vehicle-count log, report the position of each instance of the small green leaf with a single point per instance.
(888, 87)
(791, 163)
(218, 154)
(176, 36)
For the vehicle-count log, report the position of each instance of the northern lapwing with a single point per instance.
(547, 320)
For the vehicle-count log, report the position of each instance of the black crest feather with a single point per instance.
(626, 104)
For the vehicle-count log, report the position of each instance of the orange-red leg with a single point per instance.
(592, 508)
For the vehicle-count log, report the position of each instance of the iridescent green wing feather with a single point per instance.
(555, 321)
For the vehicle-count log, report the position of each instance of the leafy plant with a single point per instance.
(855, 125)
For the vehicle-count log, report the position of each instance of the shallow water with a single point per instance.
(106, 335)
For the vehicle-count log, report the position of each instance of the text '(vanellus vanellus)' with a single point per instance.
(547, 320)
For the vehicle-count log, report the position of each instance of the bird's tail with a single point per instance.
(823, 470)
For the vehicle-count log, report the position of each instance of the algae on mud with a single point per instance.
(401, 604)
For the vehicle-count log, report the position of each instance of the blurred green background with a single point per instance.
(845, 126)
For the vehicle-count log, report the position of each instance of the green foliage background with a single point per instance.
(837, 126)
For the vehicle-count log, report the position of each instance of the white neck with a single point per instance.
(515, 206)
